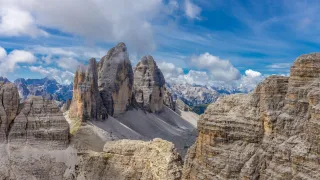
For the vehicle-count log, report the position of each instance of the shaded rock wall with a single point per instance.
(86, 102)
(9, 106)
(149, 85)
(115, 80)
(41, 124)
(272, 133)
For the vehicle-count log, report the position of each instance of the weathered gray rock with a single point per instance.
(66, 106)
(272, 133)
(86, 101)
(132, 159)
(40, 124)
(9, 98)
(168, 99)
(149, 85)
(180, 105)
(115, 80)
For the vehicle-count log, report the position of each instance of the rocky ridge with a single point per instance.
(35, 145)
(35, 122)
(272, 133)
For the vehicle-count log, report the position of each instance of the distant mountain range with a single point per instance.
(46, 87)
(196, 96)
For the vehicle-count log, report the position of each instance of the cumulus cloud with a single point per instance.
(68, 63)
(9, 62)
(62, 77)
(97, 20)
(192, 11)
(221, 70)
(245, 83)
(250, 80)
(169, 70)
(251, 73)
(194, 77)
(17, 22)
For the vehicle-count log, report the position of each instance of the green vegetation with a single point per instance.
(107, 156)
(75, 125)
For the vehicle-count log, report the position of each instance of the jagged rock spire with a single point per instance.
(149, 84)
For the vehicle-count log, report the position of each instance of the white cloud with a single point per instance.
(221, 70)
(251, 73)
(96, 20)
(53, 51)
(250, 80)
(63, 77)
(195, 77)
(3, 53)
(17, 22)
(68, 63)
(192, 11)
(9, 62)
(279, 66)
(169, 70)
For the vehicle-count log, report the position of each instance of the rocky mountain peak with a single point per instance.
(149, 84)
(86, 102)
(115, 80)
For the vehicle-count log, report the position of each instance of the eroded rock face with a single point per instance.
(9, 106)
(115, 80)
(180, 105)
(86, 101)
(168, 99)
(272, 133)
(149, 85)
(40, 124)
(66, 106)
(132, 159)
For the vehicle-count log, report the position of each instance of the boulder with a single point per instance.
(132, 159)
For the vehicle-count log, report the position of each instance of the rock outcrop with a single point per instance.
(272, 133)
(9, 107)
(168, 99)
(115, 80)
(132, 159)
(180, 105)
(66, 106)
(149, 84)
(40, 124)
(87, 102)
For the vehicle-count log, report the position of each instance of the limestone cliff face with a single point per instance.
(86, 101)
(149, 85)
(272, 133)
(40, 124)
(132, 159)
(115, 80)
(9, 106)
(168, 99)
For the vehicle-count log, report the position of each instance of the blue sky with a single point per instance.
(214, 42)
